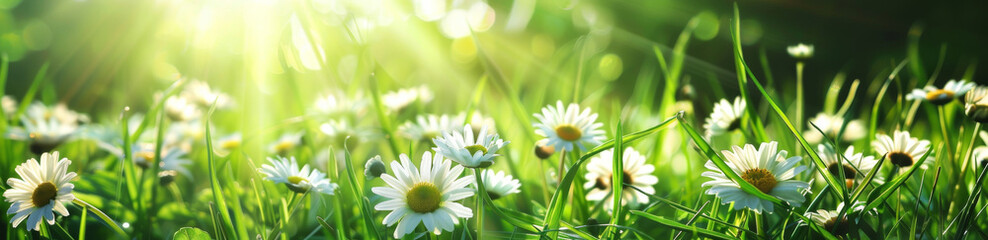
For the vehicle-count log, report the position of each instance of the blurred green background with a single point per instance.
(105, 53)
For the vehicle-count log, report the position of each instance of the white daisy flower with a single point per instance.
(60, 112)
(44, 131)
(979, 157)
(180, 109)
(478, 121)
(975, 104)
(45, 189)
(566, 127)
(172, 158)
(766, 168)
(800, 51)
(427, 127)
(427, 194)
(339, 130)
(463, 148)
(637, 173)
(828, 219)
(726, 117)
(940, 96)
(228, 143)
(831, 125)
(199, 93)
(855, 166)
(285, 170)
(9, 106)
(286, 142)
(902, 150)
(337, 103)
(397, 100)
(498, 184)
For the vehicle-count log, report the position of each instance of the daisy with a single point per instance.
(44, 132)
(286, 142)
(9, 106)
(831, 125)
(726, 117)
(940, 96)
(800, 51)
(425, 128)
(59, 112)
(427, 194)
(285, 170)
(980, 156)
(637, 173)
(180, 109)
(901, 149)
(828, 219)
(172, 158)
(397, 100)
(468, 151)
(975, 104)
(566, 127)
(855, 165)
(228, 143)
(44, 190)
(498, 184)
(478, 121)
(199, 93)
(766, 168)
(337, 103)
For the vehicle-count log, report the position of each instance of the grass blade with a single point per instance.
(214, 182)
(681, 227)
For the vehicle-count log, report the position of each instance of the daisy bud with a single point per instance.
(800, 51)
(166, 177)
(976, 104)
(374, 168)
(542, 150)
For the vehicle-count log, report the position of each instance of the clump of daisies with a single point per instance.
(201, 94)
(855, 166)
(567, 127)
(725, 118)
(901, 149)
(286, 171)
(44, 189)
(636, 173)
(831, 125)
(498, 184)
(427, 127)
(766, 167)
(426, 194)
(940, 96)
(397, 100)
(463, 148)
(47, 127)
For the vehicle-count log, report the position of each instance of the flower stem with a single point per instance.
(480, 204)
(82, 225)
(759, 225)
(943, 129)
(562, 167)
(799, 98)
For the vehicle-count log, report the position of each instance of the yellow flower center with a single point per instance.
(835, 169)
(423, 197)
(940, 96)
(43, 194)
(475, 148)
(900, 159)
(568, 132)
(762, 179)
(230, 144)
(296, 179)
(283, 146)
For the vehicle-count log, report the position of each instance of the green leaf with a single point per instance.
(617, 183)
(214, 183)
(29, 95)
(363, 204)
(681, 227)
(190, 233)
